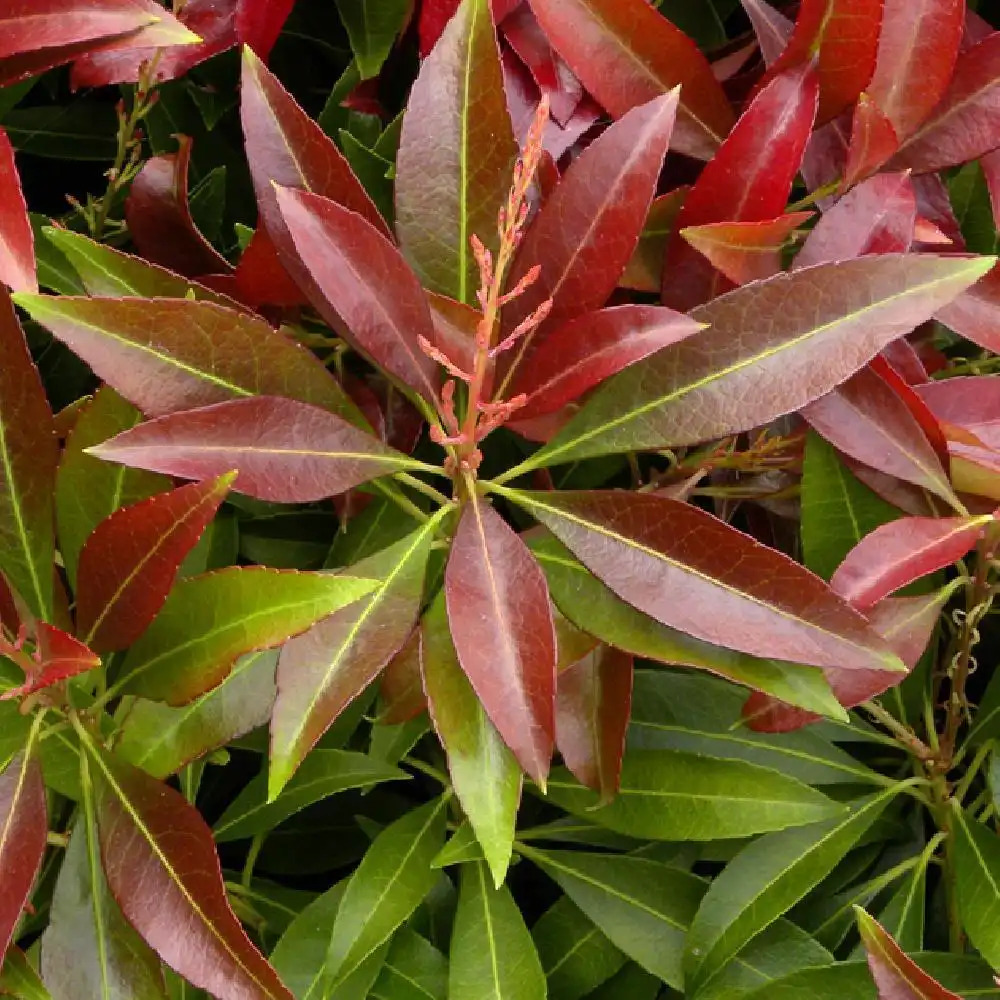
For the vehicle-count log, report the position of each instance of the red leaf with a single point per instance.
(748, 180)
(23, 828)
(744, 251)
(772, 28)
(966, 122)
(644, 271)
(260, 277)
(866, 419)
(455, 326)
(844, 34)
(159, 217)
(364, 286)
(896, 975)
(587, 350)
(162, 869)
(876, 217)
(401, 690)
(59, 656)
(259, 22)
(626, 53)
(209, 22)
(585, 233)
(970, 403)
(593, 701)
(129, 563)
(435, 14)
(736, 592)
(897, 553)
(498, 612)
(916, 57)
(17, 244)
(873, 141)
(284, 451)
(975, 314)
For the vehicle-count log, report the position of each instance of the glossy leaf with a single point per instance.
(648, 548)
(165, 355)
(28, 456)
(492, 954)
(973, 314)
(826, 322)
(163, 871)
(644, 271)
(324, 669)
(977, 854)
(57, 657)
(17, 251)
(772, 28)
(208, 621)
(18, 978)
(626, 54)
(129, 563)
(973, 406)
(484, 773)
(902, 551)
(386, 887)
(283, 450)
(354, 267)
(259, 23)
(456, 153)
(498, 613)
(764, 880)
(401, 691)
(873, 141)
(748, 180)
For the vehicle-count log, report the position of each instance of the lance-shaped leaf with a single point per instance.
(824, 323)
(323, 670)
(129, 563)
(283, 450)
(365, 286)
(651, 549)
(413, 963)
(161, 739)
(964, 123)
(588, 228)
(23, 828)
(28, 457)
(974, 313)
(17, 244)
(387, 886)
(159, 216)
(89, 490)
(162, 869)
(492, 954)
(165, 355)
(876, 217)
(498, 613)
(58, 656)
(765, 880)
(88, 948)
(401, 690)
(873, 141)
(484, 773)
(917, 50)
(592, 712)
(208, 621)
(259, 23)
(575, 357)
(866, 419)
(456, 153)
(748, 180)
(970, 404)
(626, 53)
(977, 855)
(772, 28)
(902, 551)
(896, 975)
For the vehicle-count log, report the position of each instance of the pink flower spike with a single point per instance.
(525, 327)
(523, 285)
(442, 359)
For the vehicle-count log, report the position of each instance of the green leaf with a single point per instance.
(766, 879)
(372, 27)
(77, 130)
(838, 510)
(414, 970)
(461, 848)
(977, 883)
(492, 954)
(970, 200)
(903, 915)
(19, 979)
(672, 795)
(393, 878)
(374, 172)
(484, 773)
(53, 268)
(208, 621)
(322, 774)
(631, 983)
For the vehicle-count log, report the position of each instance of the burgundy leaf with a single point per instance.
(971, 403)
(904, 358)
(401, 690)
(644, 272)
(284, 451)
(159, 217)
(59, 656)
(129, 563)
(920, 411)
(17, 244)
(259, 22)
(162, 869)
(582, 353)
(876, 217)
(260, 278)
(772, 28)
(593, 700)
(626, 53)
(873, 141)
(435, 14)
(975, 314)
(748, 180)
(365, 287)
(498, 613)
(23, 829)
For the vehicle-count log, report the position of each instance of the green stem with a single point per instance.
(421, 487)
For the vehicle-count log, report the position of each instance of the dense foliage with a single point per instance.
(397, 397)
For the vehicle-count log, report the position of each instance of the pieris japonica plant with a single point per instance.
(516, 519)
